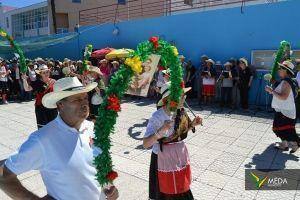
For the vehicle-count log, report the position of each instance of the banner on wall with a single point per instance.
(141, 82)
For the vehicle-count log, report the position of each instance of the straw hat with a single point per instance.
(115, 62)
(210, 61)
(165, 92)
(103, 60)
(39, 59)
(42, 68)
(63, 88)
(288, 66)
(228, 64)
(95, 70)
(244, 60)
(66, 70)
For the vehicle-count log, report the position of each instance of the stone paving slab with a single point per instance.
(220, 151)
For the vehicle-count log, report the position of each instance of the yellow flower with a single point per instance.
(134, 63)
(175, 50)
(3, 34)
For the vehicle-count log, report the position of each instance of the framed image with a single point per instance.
(141, 82)
(264, 59)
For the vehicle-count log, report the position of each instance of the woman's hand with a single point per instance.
(197, 121)
(161, 132)
(111, 193)
(269, 89)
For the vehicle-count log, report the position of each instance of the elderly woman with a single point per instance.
(165, 134)
(208, 81)
(285, 110)
(245, 81)
(43, 85)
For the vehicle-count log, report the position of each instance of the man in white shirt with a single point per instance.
(62, 150)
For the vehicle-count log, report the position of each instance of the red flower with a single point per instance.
(182, 84)
(173, 104)
(112, 175)
(114, 103)
(160, 68)
(154, 41)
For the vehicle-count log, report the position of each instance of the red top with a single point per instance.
(41, 93)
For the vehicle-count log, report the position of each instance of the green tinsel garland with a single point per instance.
(282, 54)
(87, 54)
(18, 50)
(107, 113)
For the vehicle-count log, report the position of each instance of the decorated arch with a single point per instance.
(108, 111)
(16, 48)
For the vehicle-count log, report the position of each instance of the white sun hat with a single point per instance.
(42, 68)
(63, 88)
(288, 66)
(245, 61)
(211, 61)
(165, 92)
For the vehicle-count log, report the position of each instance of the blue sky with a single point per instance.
(19, 3)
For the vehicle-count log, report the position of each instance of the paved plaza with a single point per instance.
(220, 150)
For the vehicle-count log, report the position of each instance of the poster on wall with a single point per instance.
(141, 82)
(264, 59)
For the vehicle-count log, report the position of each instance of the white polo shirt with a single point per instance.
(64, 156)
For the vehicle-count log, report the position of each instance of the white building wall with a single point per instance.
(27, 33)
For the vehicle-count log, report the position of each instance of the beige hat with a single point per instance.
(66, 70)
(63, 88)
(115, 62)
(211, 61)
(103, 60)
(165, 92)
(288, 66)
(42, 68)
(228, 64)
(244, 60)
(94, 69)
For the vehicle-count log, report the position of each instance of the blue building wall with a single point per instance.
(220, 34)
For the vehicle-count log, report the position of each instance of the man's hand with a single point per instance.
(111, 193)
(11, 186)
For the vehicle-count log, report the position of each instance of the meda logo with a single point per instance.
(258, 181)
(277, 182)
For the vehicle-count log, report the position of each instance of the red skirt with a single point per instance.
(208, 90)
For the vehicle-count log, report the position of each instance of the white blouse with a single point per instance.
(286, 107)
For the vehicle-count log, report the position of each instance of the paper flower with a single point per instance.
(3, 34)
(154, 41)
(173, 104)
(112, 175)
(134, 63)
(267, 77)
(182, 84)
(175, 51)
(114, 103)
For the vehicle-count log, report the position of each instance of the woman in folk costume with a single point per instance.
(43, 85)
(170, 173)
(285, 110)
